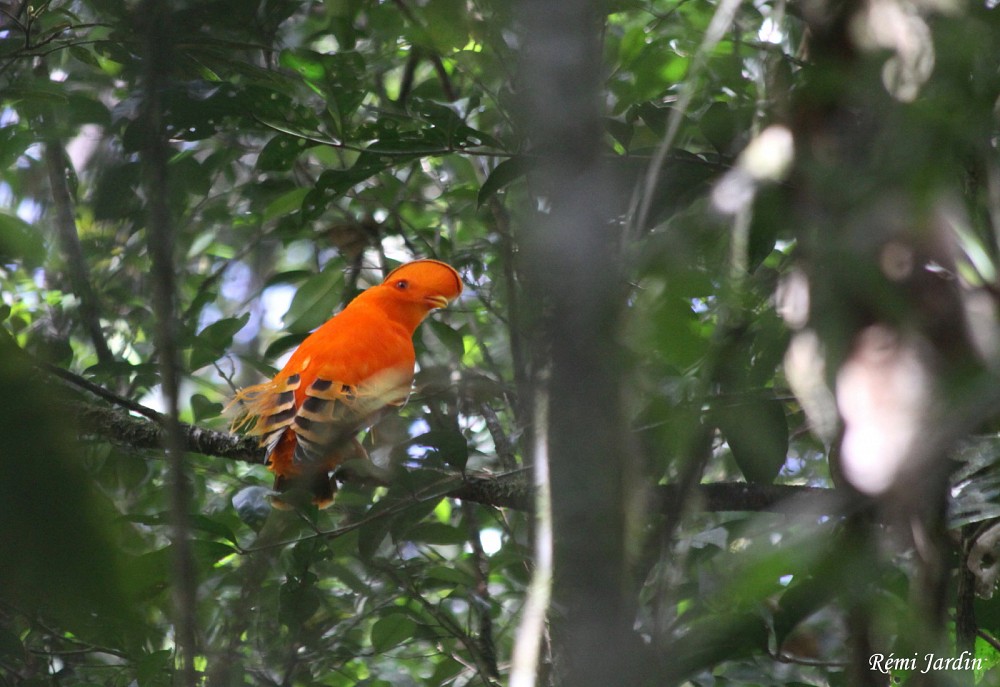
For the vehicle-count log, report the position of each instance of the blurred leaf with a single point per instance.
(52, 514)
(719, 125)
(115, 196)
(756, 430)
(437, 533)
(14, 142)
(450, 444)
(203, 523)
(315, 301)
(203, 409)
(800, 601)
(392, 630)
(451, 338)
(503, 175)
(281, 345)
(10, 644)
(155, 669)
(20, 242)
(299, 600)
(214, 341)
(281, 152)
(252, 505)
(712, 639)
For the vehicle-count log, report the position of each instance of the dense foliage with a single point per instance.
(775, 177)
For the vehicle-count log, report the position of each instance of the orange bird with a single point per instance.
(342, 377)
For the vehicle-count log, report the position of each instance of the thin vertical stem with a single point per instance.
(155, 15)
(531, 631)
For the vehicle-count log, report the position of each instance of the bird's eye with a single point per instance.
(402, 284)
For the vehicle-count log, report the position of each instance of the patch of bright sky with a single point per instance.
(236, 282)
(208, 315)
(491, 540)
(417, 428)
(299, 252)
(770, 32)
(34, 151)
(395, 249)
(29, 211)
(276, 301)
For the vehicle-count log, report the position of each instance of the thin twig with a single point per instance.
(717, 28)
(446, 622)
(988, 638)
(481, 596)
(504, 447)
(100, 391)
(531, 631)
(69, 241)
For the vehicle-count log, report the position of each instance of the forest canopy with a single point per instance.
(717, 406)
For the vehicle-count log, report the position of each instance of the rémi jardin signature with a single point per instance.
(886, 664)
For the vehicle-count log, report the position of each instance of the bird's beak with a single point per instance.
(438, 301)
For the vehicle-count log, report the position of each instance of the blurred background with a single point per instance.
(727, 351)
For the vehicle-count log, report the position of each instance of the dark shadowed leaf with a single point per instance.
(215, 340)
(20, 242)
(391, 630)
(757, 432)
(503, 175)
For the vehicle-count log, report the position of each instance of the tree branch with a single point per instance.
(139, 434)
(509, 490)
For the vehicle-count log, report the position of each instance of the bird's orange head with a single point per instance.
(412, 290)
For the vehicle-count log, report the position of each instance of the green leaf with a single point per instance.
(205, 524)
(446, 22)
(282, 344)
(720, 126)
(503, 175)
(286, 203)
(203, 409)
(208, 553)
(299, 600)
(712, 639)
(392, 630)
(450, 444)
(800, 601)
(316, 301)
(10, 644)
(451, 338)
(87, 110)
(14, 142)
(115, 196)
(756, 430)
(453, 576)
(215, 340)
(281, 152)
(444, 671)
(308, 64)
(155, 668)
(334, 183)
(20, 242)
(437, 533)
